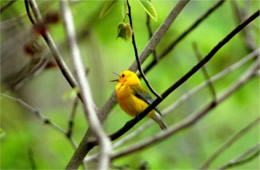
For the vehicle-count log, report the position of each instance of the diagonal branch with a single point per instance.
(86, 145)
(183, 98)
(241, 158)
(54, 50)
(229, 142)
(88, 104)
(42, 117)
(136, 53)
(184, 78)
(204, 69)
(190, 120)
(172, 45)
(7, 5)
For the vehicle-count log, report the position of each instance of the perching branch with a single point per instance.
(135, 120)
(136, 53)
(204, 69)
(49, 41)
(183, 98)
(42, 117)
(171, 46)
(86, 145)
(243, 158)
(190, 120)
(229, 142)
(88, 104)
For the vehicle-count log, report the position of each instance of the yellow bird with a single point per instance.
(133, 98)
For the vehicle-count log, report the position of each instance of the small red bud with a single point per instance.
(52, 17)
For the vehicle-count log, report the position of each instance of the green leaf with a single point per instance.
(71, 93)
(124, 31)
(107, 7)
(149, 9)
(2, 133)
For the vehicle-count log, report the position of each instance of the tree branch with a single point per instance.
(42, 117)
(88, 104)
(72, 116)
(228, 143)
(136, 53)
(190, 120)
(247, 33)
(183, 98)
(150, 33)
(171, 46)
(86, 145)
(184, 78)
(7, 5)
(54, 50)
(204, 70)
(241, 158)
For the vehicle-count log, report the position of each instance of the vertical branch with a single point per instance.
(72, 116)
(204, 70)
(241, 14)
(136, 53)
(88, 103)
(229, 142)
(150, 33)
(31, 159)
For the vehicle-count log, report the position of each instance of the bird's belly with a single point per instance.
(132, 105)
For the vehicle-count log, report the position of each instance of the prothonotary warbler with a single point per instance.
(133, 98)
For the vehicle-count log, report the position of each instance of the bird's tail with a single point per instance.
(158, 119)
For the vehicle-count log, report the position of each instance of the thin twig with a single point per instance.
(228, 143)
(241, 158)
(54, 50)
(41, 116)
(86, 145)
(136, 53)
(150, 33)
(173, 44)
(183, 98)
(159, 33)
(88, 104)
(184, 78)
(7, 5)
(72, 116)
(31, 159)
(241, 14)
(204, 69)
(190, 120)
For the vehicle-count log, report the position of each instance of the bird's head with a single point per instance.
(128, 78)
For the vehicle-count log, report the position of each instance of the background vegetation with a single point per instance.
(25, 136)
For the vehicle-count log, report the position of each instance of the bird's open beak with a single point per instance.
(116, 80)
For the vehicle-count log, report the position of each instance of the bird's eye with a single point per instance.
(123, 75)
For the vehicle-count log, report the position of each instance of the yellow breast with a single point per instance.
(128, 101)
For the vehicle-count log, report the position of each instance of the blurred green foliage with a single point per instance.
(103, 54)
